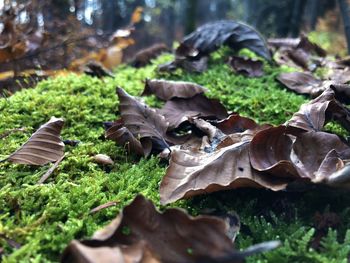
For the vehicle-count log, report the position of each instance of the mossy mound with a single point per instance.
(44, 218)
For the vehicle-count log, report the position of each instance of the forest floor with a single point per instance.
(39, 220)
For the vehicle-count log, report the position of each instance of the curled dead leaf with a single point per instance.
(43, 147)
(166, 89)
(211, 36)
(96, 69)
(223, 164)
(312, 116)
(123, 137)
(302, 83)
(144, 123)
(310, 155)
(246, 66)
(172, 236)
(179, 110)
(144, 56)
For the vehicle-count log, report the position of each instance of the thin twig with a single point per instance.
(50, 171)
(8, 132)
(103, 206)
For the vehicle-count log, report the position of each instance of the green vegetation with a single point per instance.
(44, 218)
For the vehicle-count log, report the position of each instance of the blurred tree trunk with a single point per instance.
(111, 15)
(344, 9)
(311, 13)
(168, 18)
(298, 7)
(190, 24)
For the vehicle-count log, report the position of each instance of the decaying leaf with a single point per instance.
(179, 110)
(192, 65)
(172, 236)
(306, 83)
(235, 123)
(211, 36)
(96, 69)
(191, 173)
(144, 56)
(302, 83)
(123, 137)
(312, 116)
(140, 234)
(310, 155)
(166, 89)
(299, 52)
(144, 123)
(246, 66)
(225, 166)
(43, 147)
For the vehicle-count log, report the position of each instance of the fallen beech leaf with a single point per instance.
(302, 83)
(193, 65)
(340, 178)
(246, 66)
(103, 159)
(143, 122)
(144, 56)
(179, 110)
(306, 83)
(123, 137)
(314, 114)
(235, 123)
(300, 52)
(211, 36)
(310, 155)
(166, 89)
(96, 69)
(270, 150)
(193, 173)
(172, 236)
(309, 46)
(44, 146)
(81, 253)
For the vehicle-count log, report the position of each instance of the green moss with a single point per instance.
(44, 218)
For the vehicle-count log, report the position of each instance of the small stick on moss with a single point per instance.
(100, 207)
(50, 171)
(8, 132)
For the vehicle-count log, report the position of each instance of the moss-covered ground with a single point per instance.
(44, 218)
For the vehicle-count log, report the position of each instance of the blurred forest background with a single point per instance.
(56, 34)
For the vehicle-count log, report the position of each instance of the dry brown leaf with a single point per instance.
(194, 173)
(167, 89)
(144, 56)
(302, 83)
(143, 122)
(43, 147)
(123, 137)
(312, 116)
(310, 155)
(179, 110)
(235, 123)
(246, 66)
(96, 69)
(140, 230)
